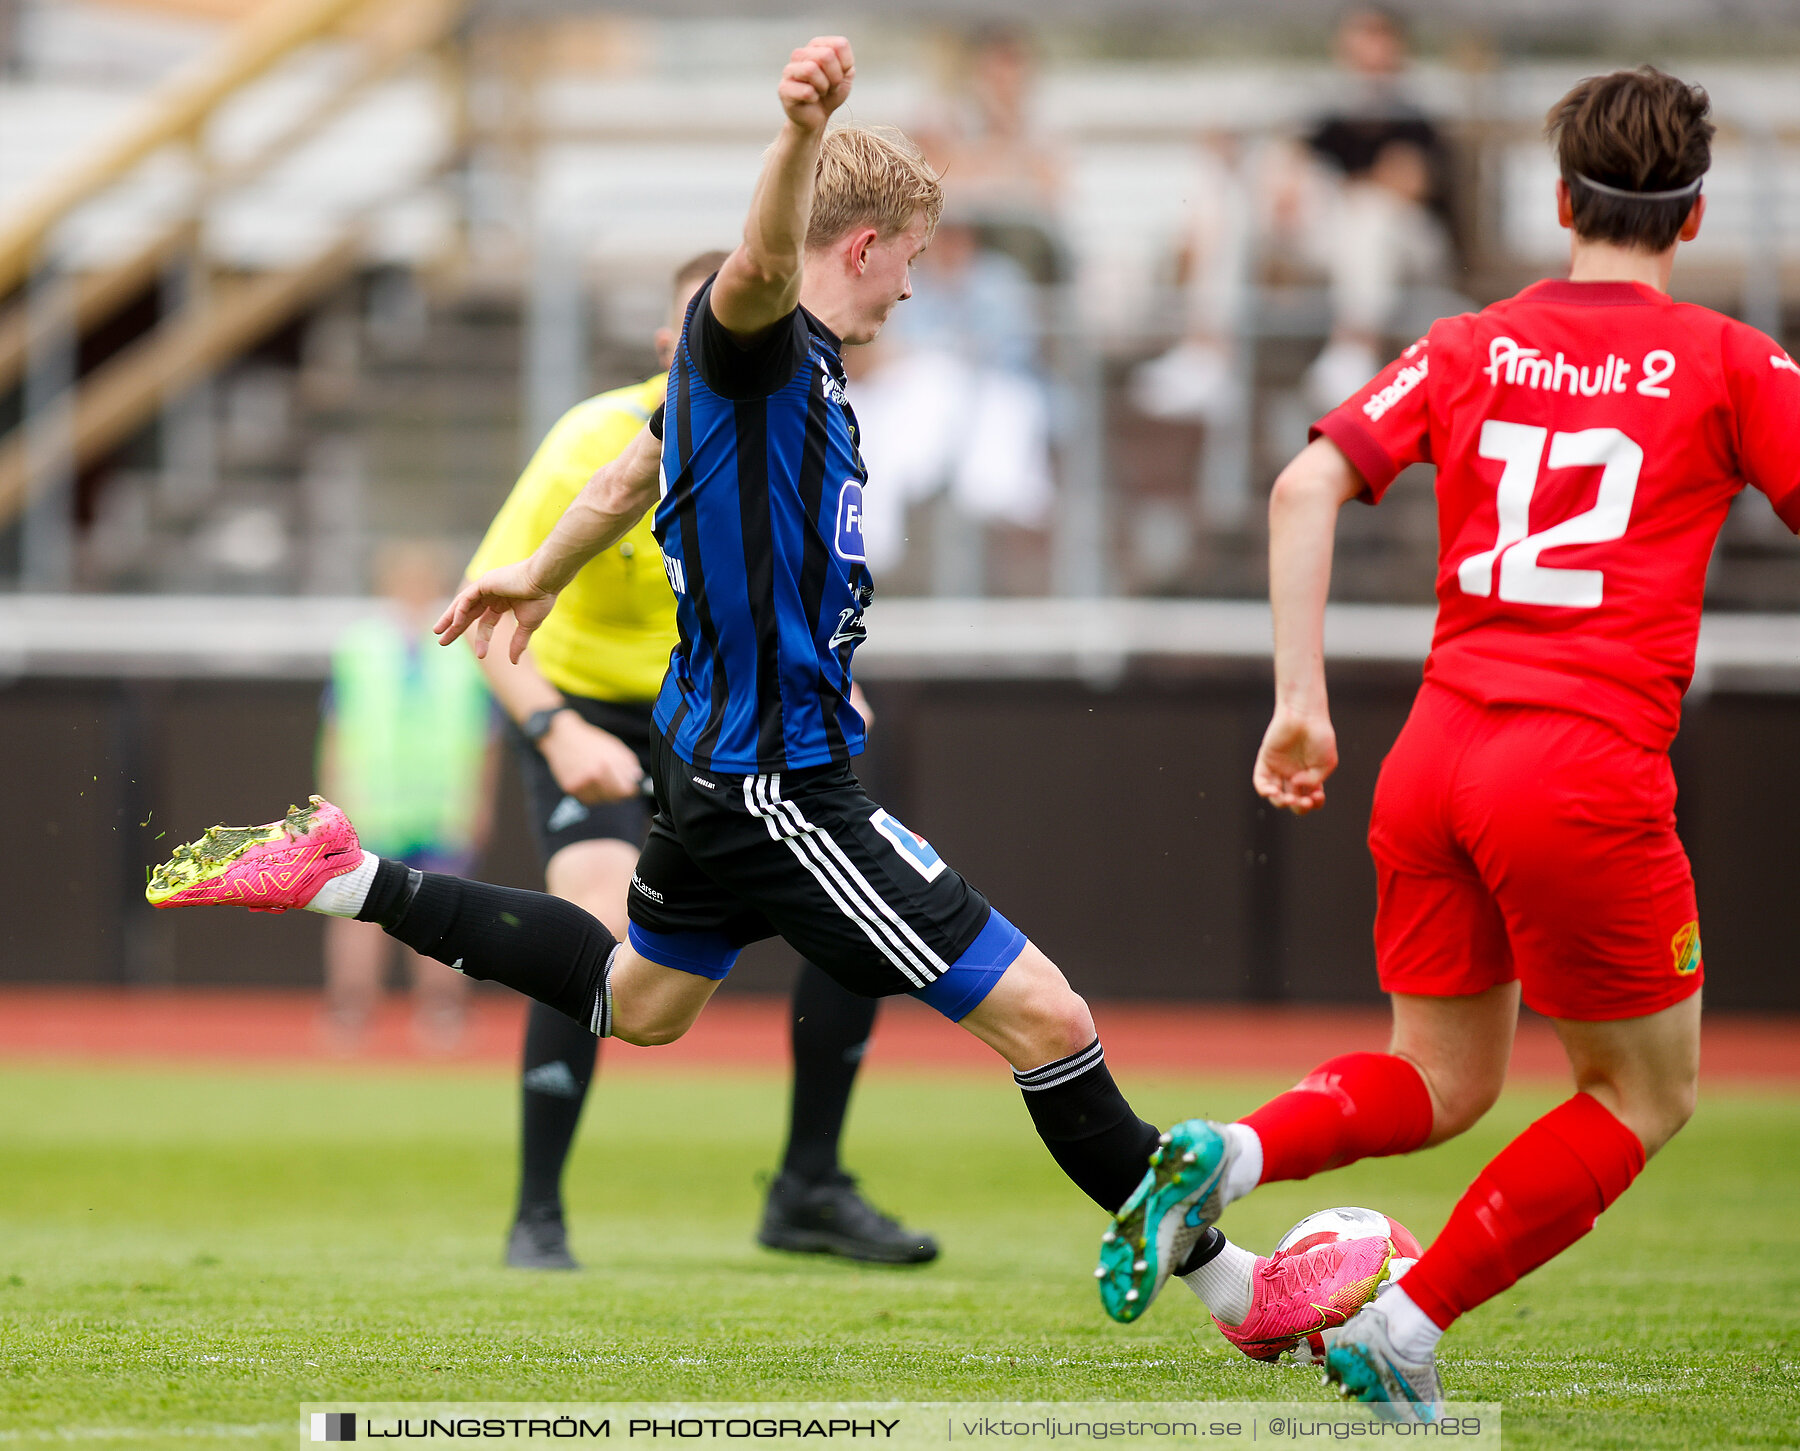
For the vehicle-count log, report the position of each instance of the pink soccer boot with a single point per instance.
(1298, 1295)
(271, 868)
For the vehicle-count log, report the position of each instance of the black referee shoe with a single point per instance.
(831, 1218)
(539, 1241)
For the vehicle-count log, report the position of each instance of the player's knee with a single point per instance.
(654, 1035)
(1076, 1024)
(1663, 1113)
(1459, 1102)
(1060, 1024)
(648, 1030)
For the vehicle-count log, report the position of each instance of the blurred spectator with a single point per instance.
(1389, 228)
(1362, 202)
(951, 400)
(408, 750)
(991, 143)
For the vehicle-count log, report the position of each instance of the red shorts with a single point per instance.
(1530, 843)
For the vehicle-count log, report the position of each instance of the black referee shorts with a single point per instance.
(807, 856)
(557, 818)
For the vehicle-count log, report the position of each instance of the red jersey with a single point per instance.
(1589, 439)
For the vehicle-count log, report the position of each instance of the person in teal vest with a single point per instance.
(408, 736)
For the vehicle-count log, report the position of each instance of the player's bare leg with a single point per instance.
(1461, 1047)
(1644, 1071)
(652, 1004)
(1032, 1016)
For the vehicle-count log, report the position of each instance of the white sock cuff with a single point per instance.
(1244, 1172)
(344, 894)
(600, 1023)
(1224, 1283)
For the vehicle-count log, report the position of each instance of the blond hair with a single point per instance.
(872, 176)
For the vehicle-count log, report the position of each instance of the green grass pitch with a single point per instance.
(186, 1256)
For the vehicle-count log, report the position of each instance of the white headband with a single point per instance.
(1691, 189)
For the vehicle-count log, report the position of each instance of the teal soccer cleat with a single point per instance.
(1366, 1367)
(1177, 1202)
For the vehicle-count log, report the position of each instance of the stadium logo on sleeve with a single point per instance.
(849, 541)
(918, 853)
(1684, 947)
(1408, 378)
(334, 1425)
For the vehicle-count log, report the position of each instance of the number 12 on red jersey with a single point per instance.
(1519, 448)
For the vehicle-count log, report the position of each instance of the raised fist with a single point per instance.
(816, 80)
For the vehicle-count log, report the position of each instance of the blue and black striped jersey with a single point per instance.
(760, 524)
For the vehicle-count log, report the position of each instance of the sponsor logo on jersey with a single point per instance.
(1521, 367)
(1408, 378)
(637, 885)
(677, 575)
(850, 630)
(918, 853)
(849, 540)
(1684, 947)
(830, 386)
(1782, 360)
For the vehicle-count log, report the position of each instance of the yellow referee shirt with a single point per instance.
(611, 632)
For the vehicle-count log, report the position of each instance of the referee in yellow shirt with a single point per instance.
(579, 701)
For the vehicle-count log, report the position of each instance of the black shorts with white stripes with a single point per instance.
(808, 856)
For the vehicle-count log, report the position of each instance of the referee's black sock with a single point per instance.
(559, 1066)
(1088, 1127)
(541, 945)
(830, 1030)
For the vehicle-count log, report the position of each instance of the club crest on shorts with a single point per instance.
(849, 540)
(918, 853)
(1684, 947)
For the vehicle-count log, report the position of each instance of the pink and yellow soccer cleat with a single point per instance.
(1298, 1295)
(271, 868)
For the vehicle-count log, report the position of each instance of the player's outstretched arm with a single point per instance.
(1299, 750)
(597, 518)
(760, 282)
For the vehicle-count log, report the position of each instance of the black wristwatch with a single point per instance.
(537, 725)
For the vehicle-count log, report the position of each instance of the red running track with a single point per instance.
(190, 1025)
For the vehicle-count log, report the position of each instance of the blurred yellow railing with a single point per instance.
(124, 393)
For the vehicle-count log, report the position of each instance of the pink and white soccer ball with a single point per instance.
(1330, 1226)
(1333, 1226)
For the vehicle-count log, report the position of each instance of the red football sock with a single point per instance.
(1541, 1193)
(1360, 1106)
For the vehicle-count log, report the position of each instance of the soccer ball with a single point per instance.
(1330, 1226)
(1333, 1226)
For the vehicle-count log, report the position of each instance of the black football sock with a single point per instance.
(559, 1065)
(830, 1031)
(1087, 1126)
(540, 945)
(1206, 1249)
